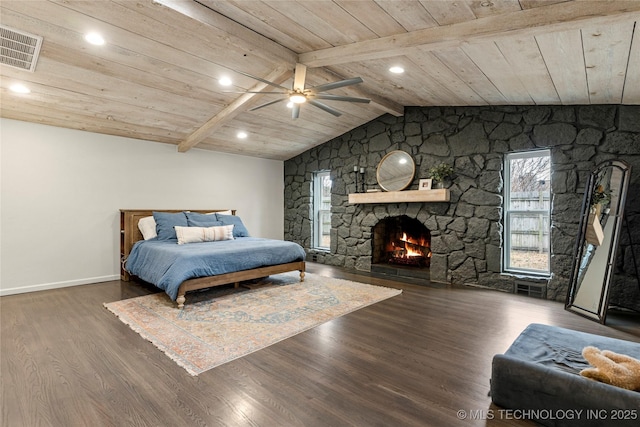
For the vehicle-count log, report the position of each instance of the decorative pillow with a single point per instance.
(165, 223)
(195, 219)
(204, 234)
(147, 227)
(239, 230)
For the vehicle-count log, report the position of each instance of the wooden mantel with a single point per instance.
(437, 195)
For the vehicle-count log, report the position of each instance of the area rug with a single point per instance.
(221, 324)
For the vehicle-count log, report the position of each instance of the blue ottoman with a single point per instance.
(538, 377)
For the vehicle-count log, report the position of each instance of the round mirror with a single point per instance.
(395, 171)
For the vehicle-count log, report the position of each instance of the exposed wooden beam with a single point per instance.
(556, 17)
(279, 75)
(386, 105)
(237, 35)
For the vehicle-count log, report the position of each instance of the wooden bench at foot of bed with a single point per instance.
(236, 278)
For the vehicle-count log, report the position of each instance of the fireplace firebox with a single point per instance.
(401, 241)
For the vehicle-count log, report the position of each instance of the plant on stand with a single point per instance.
(599, 198)
(441, 174)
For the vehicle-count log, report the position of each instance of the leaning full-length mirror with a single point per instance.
(600, 223)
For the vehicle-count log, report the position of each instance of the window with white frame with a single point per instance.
(527, 208)
(322, 210)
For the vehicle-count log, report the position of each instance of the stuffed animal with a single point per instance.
(612, 368)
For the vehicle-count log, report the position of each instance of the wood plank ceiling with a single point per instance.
(156, 78)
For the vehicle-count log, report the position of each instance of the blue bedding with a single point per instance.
(166, 264)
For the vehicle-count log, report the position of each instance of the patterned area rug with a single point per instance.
(221, 324)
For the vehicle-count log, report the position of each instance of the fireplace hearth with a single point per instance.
(401, 241)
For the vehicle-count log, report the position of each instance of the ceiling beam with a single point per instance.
(279, 75)
(545, 19)
(384, 104)
(235, 35)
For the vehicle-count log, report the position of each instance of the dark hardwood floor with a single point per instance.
(412, 360)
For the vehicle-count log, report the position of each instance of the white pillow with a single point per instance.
(203, 234)
(147, 227)
(224, 212)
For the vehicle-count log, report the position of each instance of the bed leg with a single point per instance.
(302, 275)
(236, 285)
(180, 300)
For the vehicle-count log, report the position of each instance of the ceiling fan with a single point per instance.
(299, 95)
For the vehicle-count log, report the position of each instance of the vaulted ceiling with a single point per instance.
(157, 76)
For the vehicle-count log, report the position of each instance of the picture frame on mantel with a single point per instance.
(425, 184)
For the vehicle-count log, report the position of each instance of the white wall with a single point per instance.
(62, 190)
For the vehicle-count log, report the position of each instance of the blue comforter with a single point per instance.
(166, 264)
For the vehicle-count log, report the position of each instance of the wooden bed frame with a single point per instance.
(130, 234)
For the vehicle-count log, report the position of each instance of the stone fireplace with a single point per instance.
(401, 242)
(467, 231)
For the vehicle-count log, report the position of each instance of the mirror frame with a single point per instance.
(404, 185)
(601, 312)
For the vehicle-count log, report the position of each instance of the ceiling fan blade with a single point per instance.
(268, 103)
(262, 80)
(340, 98)
(295, 111)
(335, 85)
(299, 77)
(254, 91)
(325, 107)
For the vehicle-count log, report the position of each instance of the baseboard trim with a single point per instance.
(56, 285)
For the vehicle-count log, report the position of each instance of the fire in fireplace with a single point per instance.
(401, 240)
(409, 251)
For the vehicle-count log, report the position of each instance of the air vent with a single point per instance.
(535, 290)
(19, 49)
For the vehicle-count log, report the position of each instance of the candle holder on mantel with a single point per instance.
(359, 188)
(355, 171)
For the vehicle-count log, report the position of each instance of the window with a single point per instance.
(527, 206)
(321, 210)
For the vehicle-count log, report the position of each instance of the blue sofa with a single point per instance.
(538, 378)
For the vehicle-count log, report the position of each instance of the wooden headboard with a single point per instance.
(129, 232)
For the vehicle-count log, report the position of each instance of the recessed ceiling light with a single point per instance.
(396, 69)
(242, 135)
(19, 88)
(94, 38)
(225, 81)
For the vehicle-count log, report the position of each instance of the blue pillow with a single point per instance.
(195, 219)
(239, 230)
(165, 223)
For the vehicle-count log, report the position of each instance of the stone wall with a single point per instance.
(467, 231)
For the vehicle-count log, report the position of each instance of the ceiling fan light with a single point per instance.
(396, 69)
(290, 104)
(298, 99)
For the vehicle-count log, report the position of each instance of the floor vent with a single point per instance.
(530, 289)
(19, 49)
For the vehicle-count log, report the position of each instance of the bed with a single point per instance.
(244, 257)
